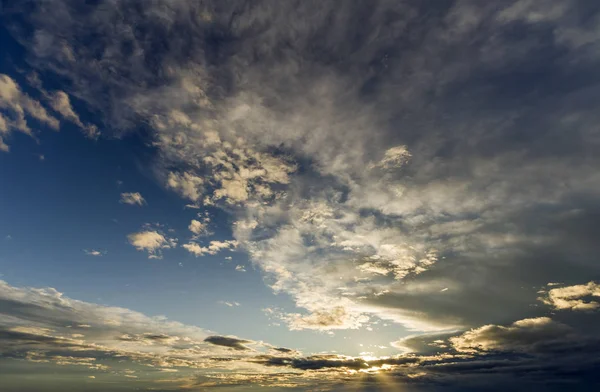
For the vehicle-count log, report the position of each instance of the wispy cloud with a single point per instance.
(60, 102)
(213, 247)
(94, 252)
(17, 104)
(230, 304)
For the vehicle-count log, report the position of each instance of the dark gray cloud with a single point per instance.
(313, 362)
(531, 353)
(283, 349)
(225, 341)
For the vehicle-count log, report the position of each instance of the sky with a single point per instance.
(299, 195)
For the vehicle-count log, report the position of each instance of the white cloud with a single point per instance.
(213, 247)
(93, 252)
(393, 158)
(60, 102)
(230, 304)
(234, 190)
(151, 242)
(187, 184)
(197, 227)
(522, 335)
(573, 297)
(240, 268)
(18, 104)
(325, 319)
(132, 198)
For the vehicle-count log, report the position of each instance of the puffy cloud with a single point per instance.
(151, 242)
(522, 335)
(187, 184)
(197, 227)
(132, 198)
(573, 297)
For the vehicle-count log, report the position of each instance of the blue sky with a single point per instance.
(297, 196)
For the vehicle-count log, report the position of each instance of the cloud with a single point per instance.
(428, 344)
(283, 350)
(316, 362)
(325, 319)
(60, 102)
(197, 227)
(393, 158)
(18, 104)
(240, 268)
(187, 184)
(230, 304)
(43, 326)
(93, 252)
(573, 297)
(200, 227)
(150, 339)
(522, 335)
(213, 247)
(3, 146)
(151, 242)
(387, 148)
(231, 342)
(132, 198)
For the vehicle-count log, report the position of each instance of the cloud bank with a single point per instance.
(43, 327)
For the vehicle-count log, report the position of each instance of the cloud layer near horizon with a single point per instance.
(42, 327)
